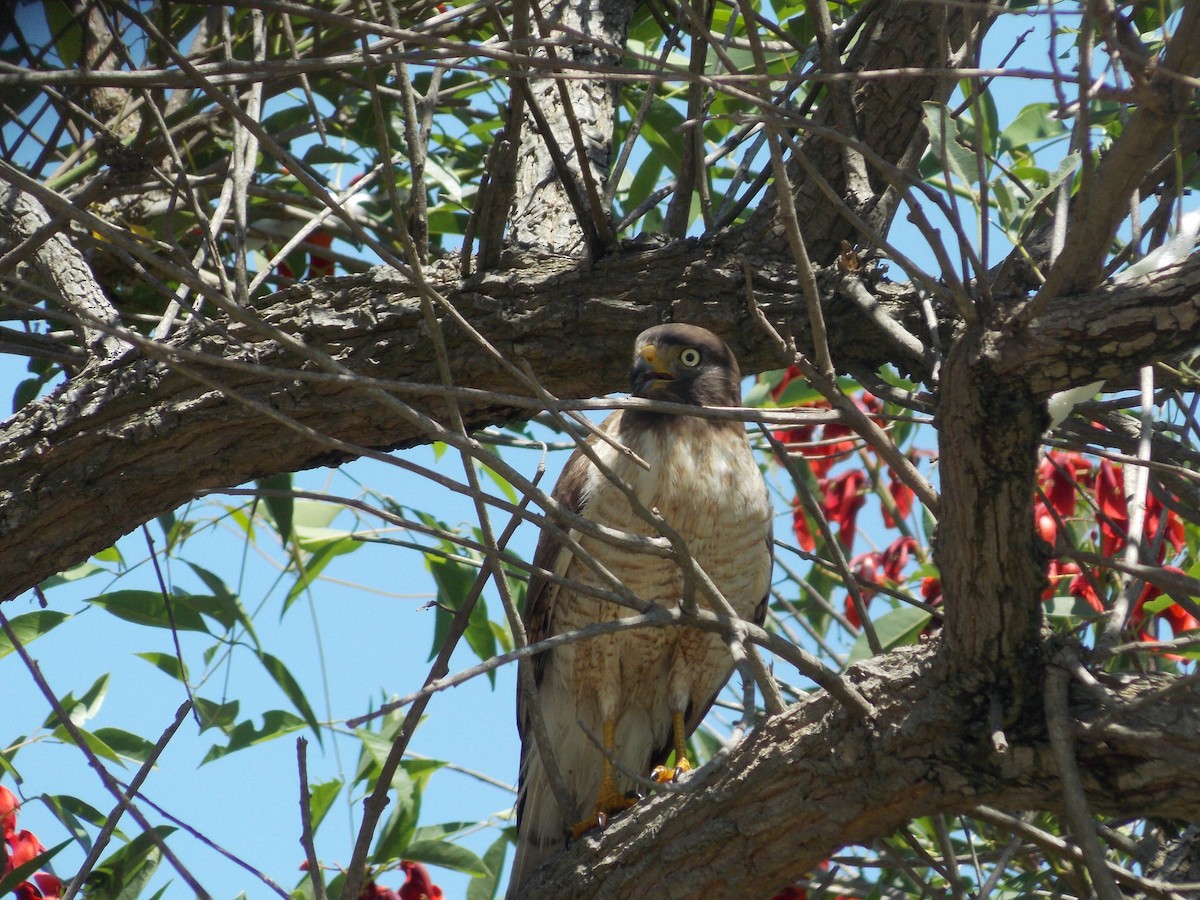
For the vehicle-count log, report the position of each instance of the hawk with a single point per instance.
(642, 691)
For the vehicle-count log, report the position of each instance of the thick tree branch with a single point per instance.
(812, 780)
(1165, 100)
(126, 441)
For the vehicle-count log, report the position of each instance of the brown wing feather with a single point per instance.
(539, 598)
(542, 592)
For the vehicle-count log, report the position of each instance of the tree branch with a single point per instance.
(811, 780)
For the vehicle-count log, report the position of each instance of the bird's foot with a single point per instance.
(607, 804)
(663, 774)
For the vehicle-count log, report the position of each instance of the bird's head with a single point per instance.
(685, 364)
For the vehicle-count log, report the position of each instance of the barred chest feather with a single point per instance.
(705, 483)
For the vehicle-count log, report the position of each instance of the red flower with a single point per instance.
(1177, 618)
(868, 567)
(318, 264)
(864, 568)
(373, 891)
(843, 499)
(1113, 513)
(902, 496)
(931, 590)
(1060, 474)
(418, 885)
(8, 813)
(23, 846)
(1058, 571)
(1114, 516)
(1047, 525)
(800, 526)
(49, 885)
(1081, 586)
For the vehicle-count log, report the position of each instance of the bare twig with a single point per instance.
(306, 830)
(110, 824)
(1062, 743)
(110, 783)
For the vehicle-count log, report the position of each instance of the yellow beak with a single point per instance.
(651, 355)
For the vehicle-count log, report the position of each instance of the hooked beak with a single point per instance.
(649, 370)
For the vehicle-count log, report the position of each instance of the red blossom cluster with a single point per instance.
(880, 567)
(19, 848)
(823, 445)
(417, 886)
(1060, 476)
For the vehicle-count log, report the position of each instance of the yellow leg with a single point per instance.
(662, 774)
(609, 800)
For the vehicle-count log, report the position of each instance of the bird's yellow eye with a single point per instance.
(690, 357)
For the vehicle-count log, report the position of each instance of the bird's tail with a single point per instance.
(540, 826)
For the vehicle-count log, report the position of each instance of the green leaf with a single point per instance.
(24, 872)
(328, 546)
(309, 514)
(149, 608)
(94, 743)
(26, 392)
(68, 33)
(222, 604)
(124, 873)
(111, 554)
(396, 835)
(661, 130)
(797, 393)
(319, 154)
(126, 744)
(282, 677)
(1158, 604)
(84, 708)
(985, 131)
(483, 887)
(448, 856)
(279, 508)
(1065, 170)
(320, 799)
(216, 715)
(944, 143)
(30, 626)
(69, 810)
(898, 628)
(1036, 122)
(83, 570)
(454, 580)
(1070, 610)
(276, 723)
(499, 481)
(376, 747)
(166, 662)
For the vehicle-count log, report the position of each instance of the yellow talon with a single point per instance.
(662, 774)
(609, 799)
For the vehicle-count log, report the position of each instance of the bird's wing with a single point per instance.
(539, 825)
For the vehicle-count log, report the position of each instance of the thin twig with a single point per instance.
(80, 741)
(306, 830)
(110, 824)
(1062, 743)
